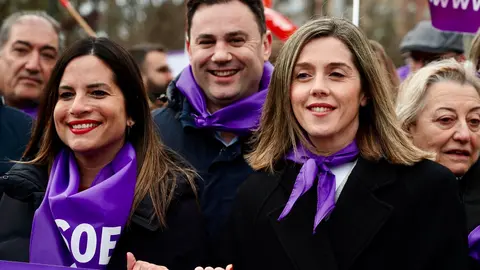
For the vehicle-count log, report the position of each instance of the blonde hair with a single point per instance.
(379, 134)
(474, 55)
(411, 97)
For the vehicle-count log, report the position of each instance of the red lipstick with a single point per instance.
(82, 126)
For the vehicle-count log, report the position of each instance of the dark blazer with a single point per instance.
(387, 217)
(222, 168)
(15, 128)
(180, 246)
(470, 196)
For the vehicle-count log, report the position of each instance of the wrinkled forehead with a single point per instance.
(34, 30)
(451, 94)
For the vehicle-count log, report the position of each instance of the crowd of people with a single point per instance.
(330, 158)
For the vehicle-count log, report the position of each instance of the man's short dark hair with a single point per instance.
(256, 6)
(140, 51)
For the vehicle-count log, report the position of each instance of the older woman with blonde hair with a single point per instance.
(439, 107)
(338, 184)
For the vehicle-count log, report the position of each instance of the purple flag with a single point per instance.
(455, 15)
(81, 228)
(4, 265)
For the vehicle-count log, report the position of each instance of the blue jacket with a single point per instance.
(221, 168)
(15, 129)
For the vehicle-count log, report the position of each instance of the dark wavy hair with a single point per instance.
(158, 169)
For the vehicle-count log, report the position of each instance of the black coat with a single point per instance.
(470, 196)
(222, 169)
(179, 247)
(15, 128)
(387, 217)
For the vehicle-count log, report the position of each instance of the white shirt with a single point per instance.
(342, 172)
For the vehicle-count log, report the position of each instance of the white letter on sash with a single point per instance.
(91, 242)
(62, 224)
(106, 244)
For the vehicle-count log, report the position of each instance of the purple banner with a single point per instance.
(455, 15)
(4, 265)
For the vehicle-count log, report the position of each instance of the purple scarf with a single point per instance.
(240, 117)
(474, 243)
(403, 72)
(31, 111)
(81, 229)
(318, 167)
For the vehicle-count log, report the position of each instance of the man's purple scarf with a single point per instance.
(81, 229)
(239, 118)
(317, 168)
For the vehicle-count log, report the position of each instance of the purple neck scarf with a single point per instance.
(474, 243)
(31, 111)
(81, 229)
(403, 72)
(240, 117)
(318, 167)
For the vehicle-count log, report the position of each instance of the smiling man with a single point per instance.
(216, 102)
(30, 42)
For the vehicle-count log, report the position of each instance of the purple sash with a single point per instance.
(318, 167)
(81, 229)
(6, 265)
(240, 117)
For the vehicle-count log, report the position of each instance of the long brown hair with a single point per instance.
(379, 134)
(387, 64)
(159, 170)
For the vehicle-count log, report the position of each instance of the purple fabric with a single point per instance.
(317, 167)
(403, 72)
(240, 117)
(5, 265)
(31, 111)
(72, 228)
(455, 15)
(474, 243)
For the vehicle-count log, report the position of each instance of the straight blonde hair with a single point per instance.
(379, 134)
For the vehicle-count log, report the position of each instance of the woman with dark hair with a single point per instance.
(95, 181)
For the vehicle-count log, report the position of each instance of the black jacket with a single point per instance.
(178, 247)
(387, 217)
(470, 195)
(15, 128)
(222, 168)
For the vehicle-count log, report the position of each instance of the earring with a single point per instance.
(129, 126)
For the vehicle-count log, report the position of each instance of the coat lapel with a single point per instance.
(295, 232)
(359, 214)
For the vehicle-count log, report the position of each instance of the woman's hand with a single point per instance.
(133, 264)
(229, 267)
